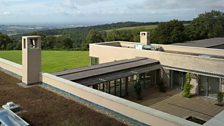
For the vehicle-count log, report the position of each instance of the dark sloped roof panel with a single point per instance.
(107, 69)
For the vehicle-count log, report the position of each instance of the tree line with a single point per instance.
(206, 25)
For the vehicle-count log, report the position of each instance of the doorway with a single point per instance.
(177, 80)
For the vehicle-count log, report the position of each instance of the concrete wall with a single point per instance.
(11, 66)
(187, 49)
(195, 83)
(130, 109)
(181, 61)
(222, 84)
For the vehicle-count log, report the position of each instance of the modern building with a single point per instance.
(117, 66)
(217, 43)
(199, 58)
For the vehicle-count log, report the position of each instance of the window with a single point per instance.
(143, 34)
(24, 43)
(94, 60)
(33, 43)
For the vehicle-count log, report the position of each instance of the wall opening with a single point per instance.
(24, 43)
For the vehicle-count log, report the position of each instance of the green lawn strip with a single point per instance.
(53, 61)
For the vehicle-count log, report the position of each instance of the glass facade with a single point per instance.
(177, 79)
(125, 86)
(209, 86)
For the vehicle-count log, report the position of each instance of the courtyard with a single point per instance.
(174, 103)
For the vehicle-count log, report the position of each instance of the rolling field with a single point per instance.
(53, 61)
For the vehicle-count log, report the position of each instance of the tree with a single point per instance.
(5, 42)
(187, 86)
(162, 87)
(67, 43)
(220, 98)
(120, 35)
(169, 32)
(206, 25)
(49, 42)
(92, 37)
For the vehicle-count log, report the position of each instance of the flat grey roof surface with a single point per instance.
(206, 43)
(109, 71)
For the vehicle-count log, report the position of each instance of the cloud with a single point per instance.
(6, 13)
(105, 10)
(88, 2)
(180, 4)
(71, 4)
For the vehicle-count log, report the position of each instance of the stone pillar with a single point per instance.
(166, 76)
(195, 83)
(31, 59)
(145, 38)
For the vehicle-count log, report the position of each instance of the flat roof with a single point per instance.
(109, 71)
(206, 43)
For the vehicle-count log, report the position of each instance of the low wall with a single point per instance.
(11, 67)
(187, 49)
(130, 109)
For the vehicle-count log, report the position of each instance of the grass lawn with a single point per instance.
(53, 61)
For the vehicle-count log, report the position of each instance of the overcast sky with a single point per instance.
(102, 11)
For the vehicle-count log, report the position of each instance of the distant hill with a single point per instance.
(99, 27)
(78, 34)
(145, 27)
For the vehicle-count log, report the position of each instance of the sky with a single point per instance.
(102, 11)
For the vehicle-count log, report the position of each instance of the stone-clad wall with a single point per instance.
(11, 66)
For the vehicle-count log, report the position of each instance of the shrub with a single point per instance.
(187, 86)
(162, 87)
(220, 97)
(138, 90)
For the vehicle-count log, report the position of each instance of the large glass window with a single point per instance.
(213, 87)
(209, 86)
(178, 79)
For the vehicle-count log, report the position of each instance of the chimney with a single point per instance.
(145, 38)
(31, 59)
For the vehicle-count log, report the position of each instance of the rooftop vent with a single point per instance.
(11, 106)
(139, 46)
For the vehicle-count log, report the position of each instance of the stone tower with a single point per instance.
(31, 59)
